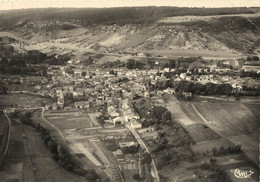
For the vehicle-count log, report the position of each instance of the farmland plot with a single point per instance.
(184, 114)
(68, 120)
(201, 133)
(235, 122)
(229, 118)
(254, 108)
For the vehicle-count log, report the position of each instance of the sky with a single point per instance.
(24, 4)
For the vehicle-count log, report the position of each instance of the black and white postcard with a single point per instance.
(129, 90)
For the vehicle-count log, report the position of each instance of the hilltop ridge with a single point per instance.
(170, 31)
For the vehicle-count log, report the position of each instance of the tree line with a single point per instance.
(120, 16)
(60, 153)
(200, 89)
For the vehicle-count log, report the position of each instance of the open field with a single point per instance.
(187, 108)
(229, 118)
(178, 114)
(200, 133)
(161, 39)
(254, 108)
(218, 123)
(29, 160)
(68, 120)
(191, 122)
(250, 145)
(235, 122)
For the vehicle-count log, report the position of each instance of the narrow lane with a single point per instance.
(154, 170)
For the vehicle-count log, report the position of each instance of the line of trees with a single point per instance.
(131, 149)
(229, 150)
(59, 152)
(200, 89)
(252, 74)
(134, 64)
(252, 58)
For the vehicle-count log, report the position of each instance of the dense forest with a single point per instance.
(95, 16)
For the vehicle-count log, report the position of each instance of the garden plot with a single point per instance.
(69, 120)
(96, 133)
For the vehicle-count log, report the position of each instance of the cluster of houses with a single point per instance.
(103, 88)
(113, 112)
(219, 74)
(130, 114)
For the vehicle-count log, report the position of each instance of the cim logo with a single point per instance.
(241, 174)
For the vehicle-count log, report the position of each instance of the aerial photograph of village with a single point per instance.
(130, 93)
